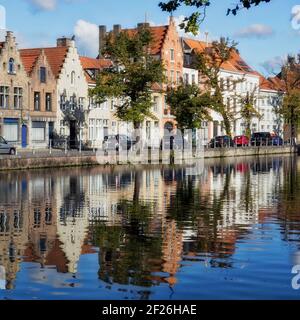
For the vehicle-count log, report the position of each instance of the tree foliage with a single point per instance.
(191, 23)
(290, 83)
(248, 110)
(209, 64)
(189, 105)
(132, 76)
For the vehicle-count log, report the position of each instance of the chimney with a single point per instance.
(102, 37)
(64, 42)
(117, 29)
(143, 25)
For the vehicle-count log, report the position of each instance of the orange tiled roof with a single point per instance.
(235, 64)
(265, 84)
(55, 56)
(158, 37)
(91, 63)
(29, 59)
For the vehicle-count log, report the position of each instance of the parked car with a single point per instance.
(277, 141)
(6, 148)
(241, 140)
(261, 139)
(221, 142)
(117, 142)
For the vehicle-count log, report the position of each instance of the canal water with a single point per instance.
(227, 230)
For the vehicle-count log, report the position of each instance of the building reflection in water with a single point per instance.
(144, 225)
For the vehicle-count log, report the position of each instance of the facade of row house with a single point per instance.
(44, 92)
(166, 46)
(42, 97)
(68, 88)
(14, 91)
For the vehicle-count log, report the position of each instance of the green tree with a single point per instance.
(130, 81)
(209, 63)
(289, 93)
(189, 105)
(248, 110)
(191, 23)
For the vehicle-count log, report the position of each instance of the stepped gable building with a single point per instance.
(42, 96)
(14, 84)
(71, 86)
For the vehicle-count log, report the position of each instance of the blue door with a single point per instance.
(24, 136)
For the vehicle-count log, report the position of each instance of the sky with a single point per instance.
(265, 34)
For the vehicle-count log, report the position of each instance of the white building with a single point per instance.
(237, 80)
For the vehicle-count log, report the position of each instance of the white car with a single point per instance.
(6, 148)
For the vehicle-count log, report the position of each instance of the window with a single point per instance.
(222, 84)
(4, 97)
(228, 84)
(37, 101)
(172, 76)
(18, 95)
(48, 102)
(178, 78)
(193, 79)
(186, 78)
(228, 104)
(62, 102)
(73, 102)
(172, 54)
(38, 131)
(148, 130)
(73, 77)
(81, 103)
(155, 104)
(43, 74)
(11, 66)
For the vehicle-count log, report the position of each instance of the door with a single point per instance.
(73, 135)
(24, 136)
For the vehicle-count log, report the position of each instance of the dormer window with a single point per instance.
(11, 66)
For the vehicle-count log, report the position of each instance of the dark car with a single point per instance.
(277, 141)
(117, 142)
(261, 139)
(241, 140)
(221, 142)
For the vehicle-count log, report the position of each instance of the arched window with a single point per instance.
(11, 65)
(73, 77)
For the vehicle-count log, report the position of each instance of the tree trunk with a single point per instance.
(227, 124)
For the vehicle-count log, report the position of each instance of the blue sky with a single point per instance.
(265, 34)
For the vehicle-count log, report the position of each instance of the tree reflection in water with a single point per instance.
(146, 226)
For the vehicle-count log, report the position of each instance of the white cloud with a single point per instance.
(255, 30)
(296, 17)
(47, 5)
(273, 66)
(87, 38)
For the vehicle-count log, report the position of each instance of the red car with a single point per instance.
(241, 140)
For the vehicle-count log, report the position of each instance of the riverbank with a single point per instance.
(57, 158)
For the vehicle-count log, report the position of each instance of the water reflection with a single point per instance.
(148, 228)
